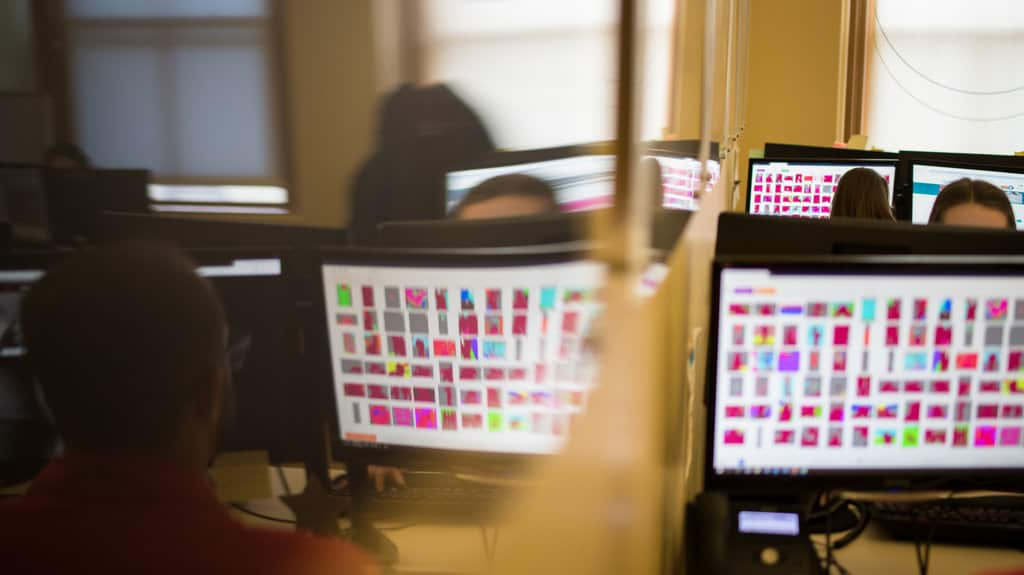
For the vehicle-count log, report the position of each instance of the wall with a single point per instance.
(330, 101)
(16, 65)
(793, 81)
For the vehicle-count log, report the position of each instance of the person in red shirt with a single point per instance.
(129, 347)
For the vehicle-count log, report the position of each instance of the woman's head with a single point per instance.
(862, 193)
(975, 203)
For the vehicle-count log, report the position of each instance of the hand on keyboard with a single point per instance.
(382, 476)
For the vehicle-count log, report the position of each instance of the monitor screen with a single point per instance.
(266, 410)
(473, 359)
(27, 437)
(928, 180)
(587, 182)
(23, 203)
(867, 370)
(803, 188)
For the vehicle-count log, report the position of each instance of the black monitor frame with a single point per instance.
(113, 227)
(17, 471)
(908, 157)
(746, 235)
(897, 200)
(847, 479)
(911, 161)
(542, 229)
(405, 456)
(299, 440)
(778, 151)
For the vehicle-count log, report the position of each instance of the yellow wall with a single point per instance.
(330, 99)
(793, 73)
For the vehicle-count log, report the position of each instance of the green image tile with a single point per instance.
(494, 421)
(911, 435)
(344, 296)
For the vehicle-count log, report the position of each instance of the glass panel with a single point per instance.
(166, 8)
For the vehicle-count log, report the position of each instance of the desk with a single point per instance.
(433, 549)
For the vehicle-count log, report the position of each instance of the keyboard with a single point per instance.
(437, 497)
(991, 521)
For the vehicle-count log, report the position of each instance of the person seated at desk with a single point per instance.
(977, 203)
(129, 347)
(507, 196)
(862, 193)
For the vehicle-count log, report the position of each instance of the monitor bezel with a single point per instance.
(852, 162)
(797, 151)
(914, 161)
(409, 457)
(846, 479)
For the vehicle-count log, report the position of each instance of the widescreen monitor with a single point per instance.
(457, 356)
(271, 406)
(804, 188)
(865, 372)
(929, 177)
(28, 438)
(583, 177)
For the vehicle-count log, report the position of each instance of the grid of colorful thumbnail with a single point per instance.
(800, 190)
(489, 359)
(680, 179)
(858, 372)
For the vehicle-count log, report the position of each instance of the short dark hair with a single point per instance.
(862, 193)
(522, 185)
(66, 150)
(968, 191)
(120, 340)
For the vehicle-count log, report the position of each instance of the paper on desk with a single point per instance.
(242, 476)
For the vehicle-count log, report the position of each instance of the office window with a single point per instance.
(946, 75)
(185, 88)
(543, 73)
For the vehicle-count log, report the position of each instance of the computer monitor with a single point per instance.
(272, 397)
(28, 439)
(583, 177)
(778, 151)
(113, 227)
(865, 372)
(23, 204)
(443, 358)
(681, 171)
(748, 235)
(76, 196)
(928, 177)
(804, 188)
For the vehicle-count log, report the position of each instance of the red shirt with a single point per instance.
(110, 515)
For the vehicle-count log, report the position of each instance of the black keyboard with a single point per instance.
(992, 521)
(437, 497)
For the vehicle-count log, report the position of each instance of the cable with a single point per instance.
(892, 47)
(906, 91)
(247, 511)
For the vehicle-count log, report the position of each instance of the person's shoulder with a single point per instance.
(307, 554)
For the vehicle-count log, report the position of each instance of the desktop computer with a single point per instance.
(23, 205)
(928, 177)
(583, 177)
(28, 439)
(880, 372)
(448, 358)
(271, 397)
(804, 188)
(865, 372)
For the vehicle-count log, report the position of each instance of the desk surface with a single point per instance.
(428, 549)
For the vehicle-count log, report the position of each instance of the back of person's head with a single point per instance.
(862, 193)
(65, 155)
(968, 202)
(123, 340)
(508, 195)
